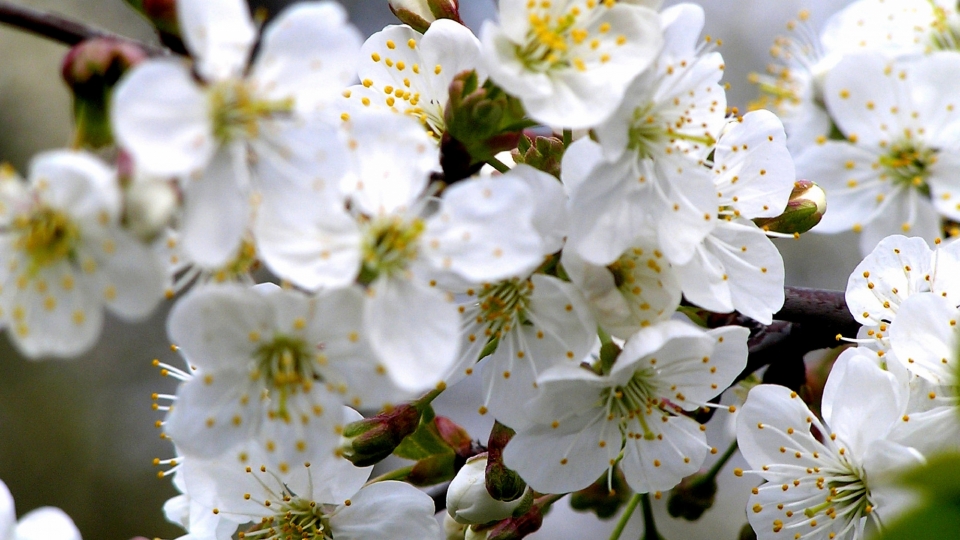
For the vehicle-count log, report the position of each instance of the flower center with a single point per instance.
(244, 264)
(846, 495)
(295, 519)
(287, 365)
(389, 246)
(503, 305)
(646, 132)
(637, 275)
(634, 400)
(47, 236)
(908, 164)
(237, 111)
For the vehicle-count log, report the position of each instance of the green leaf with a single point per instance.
(939, 478)
(423, 443)
(937, 521)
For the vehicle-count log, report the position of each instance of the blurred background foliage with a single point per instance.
(80, 435)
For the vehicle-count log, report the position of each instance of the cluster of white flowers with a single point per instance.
(889, 403)
(872, 115)
(577, 286)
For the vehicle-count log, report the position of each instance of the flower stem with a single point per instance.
(712, 473)
(498, 165)
(625, 517)
(59, 28)
(649, 525)
(567, 137)
(397, 474)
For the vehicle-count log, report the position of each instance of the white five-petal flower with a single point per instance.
(65, 256)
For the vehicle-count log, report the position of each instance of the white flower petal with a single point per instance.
(310, 53)
(46, 523)
(78, 183)
(393, 157)
(8, 515)
(772, 418)
(213, 326)
(386, 511)
(565, 458)
(660, 463)
(399, 308)
(753, 151)
(216, 210)
(483, 230)
(133, 278)
(219, 33)
(861, 402)
(923, 336)
(214, 412)
(162, 118)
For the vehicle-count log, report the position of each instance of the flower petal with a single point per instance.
(162, 118)
(219, 34)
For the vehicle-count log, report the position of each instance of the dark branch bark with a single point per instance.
(59, 28)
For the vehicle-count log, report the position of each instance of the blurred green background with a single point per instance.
(79, 434)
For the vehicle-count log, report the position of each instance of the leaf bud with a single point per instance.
(805, 209)
(368, 441)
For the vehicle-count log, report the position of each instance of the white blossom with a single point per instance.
(239, 130)
(834, 484)
(584, 420)
(65, 256)
(569, 61)
(896, 172)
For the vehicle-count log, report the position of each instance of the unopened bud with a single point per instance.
(467, 497)
(453, 530)
(692, 497)
(542, 153)
(604, 497)
(367, 442)
(91, 69)
(418, 14)
(150, 205)
(503, 484)
(805, 209)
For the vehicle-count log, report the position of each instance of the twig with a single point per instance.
(59, 28)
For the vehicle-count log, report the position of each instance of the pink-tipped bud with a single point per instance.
(91, 69)
(418, 14)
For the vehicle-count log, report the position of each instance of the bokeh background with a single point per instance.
(80, 434)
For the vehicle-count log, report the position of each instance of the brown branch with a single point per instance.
(59, 28)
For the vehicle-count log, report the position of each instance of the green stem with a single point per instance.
(498, 165)
(625, 517)
(649, 524)
(604, 336)
(567, 137)
(397, 474)
(715, 469)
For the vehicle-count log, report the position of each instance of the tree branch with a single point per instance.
(61, 29)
